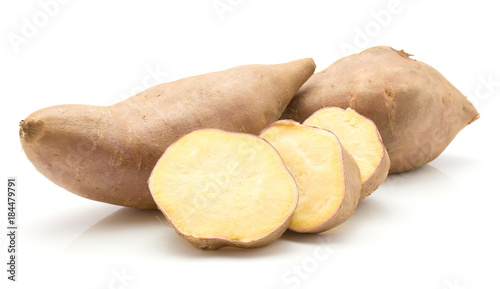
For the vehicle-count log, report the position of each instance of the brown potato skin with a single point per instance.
(107, 153)
(417, 111)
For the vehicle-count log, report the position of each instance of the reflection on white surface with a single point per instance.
(385, 203)
(126, 230)
(416, 223)
(147, 234)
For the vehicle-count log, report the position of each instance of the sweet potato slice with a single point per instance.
(326, 174)
(360, 137)
(221, 188)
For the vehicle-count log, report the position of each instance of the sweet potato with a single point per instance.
(327, 176)
(107, 153)
(360, 137)
(221, 188)
(417, 111)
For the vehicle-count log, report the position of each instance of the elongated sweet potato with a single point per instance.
(107, 153)
(360, 137)
(326, 174)
(221, 188)
(417, 111)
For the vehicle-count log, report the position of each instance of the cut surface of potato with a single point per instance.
(327, 176)
(360, 137)
(220, 189)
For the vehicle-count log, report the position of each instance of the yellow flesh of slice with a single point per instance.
(314, 158)
(357, 134)
(216, 184)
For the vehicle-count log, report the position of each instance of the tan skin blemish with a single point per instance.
(352, 98)
(390, 104)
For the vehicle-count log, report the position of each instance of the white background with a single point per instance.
(435, 227)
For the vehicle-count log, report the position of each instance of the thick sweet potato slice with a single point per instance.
(220, 189)
(361, 139)
(326, 174)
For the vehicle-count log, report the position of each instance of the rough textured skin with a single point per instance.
(417, 111)
(107, 153)
(352, 181)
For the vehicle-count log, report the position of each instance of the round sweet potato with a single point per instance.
(417, 111)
